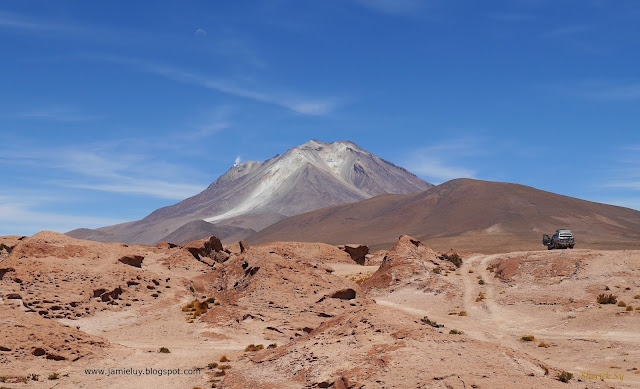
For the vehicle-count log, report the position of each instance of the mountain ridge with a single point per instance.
(464, 214)
(253, 194)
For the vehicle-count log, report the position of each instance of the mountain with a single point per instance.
(253, 195)
(464, 214)
(200, 229)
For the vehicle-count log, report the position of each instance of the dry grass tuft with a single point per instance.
(565, 376)
(253, 347)
(606, 299)
(453, 258)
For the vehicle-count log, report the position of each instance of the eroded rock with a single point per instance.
(357, 252)
(204, 247)
(132, 260)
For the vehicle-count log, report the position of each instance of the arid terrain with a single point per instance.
(465, 214)
(294, 315)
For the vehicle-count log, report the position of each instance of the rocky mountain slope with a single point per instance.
(254, 195)
(465, 214)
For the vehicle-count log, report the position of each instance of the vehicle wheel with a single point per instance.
(549, 248)
(571, 246)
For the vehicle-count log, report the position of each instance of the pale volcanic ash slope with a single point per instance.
(253, 195)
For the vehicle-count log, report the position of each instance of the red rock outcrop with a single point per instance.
(357, 252)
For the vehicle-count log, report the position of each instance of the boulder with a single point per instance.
(239, 247)
(357, 252)
(166, 245)
(204, 247)
(132, 260)
(345, 294)
(221, 257)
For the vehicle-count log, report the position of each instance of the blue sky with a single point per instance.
(110, 110)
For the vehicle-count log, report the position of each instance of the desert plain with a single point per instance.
(83, 314)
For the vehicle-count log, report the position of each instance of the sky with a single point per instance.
(110, 110)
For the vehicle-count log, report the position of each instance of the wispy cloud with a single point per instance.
(394, 7)
(122, 172)
(211, 122)
(155, 188)
(512, 17)
(291, 101)
(10, 20)
(608, 90)
(62, 113)
(106, 168)
(622, 177)
(566, 31)
(436, 163)
(23, 215)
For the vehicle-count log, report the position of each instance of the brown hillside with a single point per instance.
(465, 214)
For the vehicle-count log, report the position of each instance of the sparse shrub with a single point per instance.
(33, 377)
(629, 308)
(3, 379)
(437, 270)
(196, 308)
(212, 365)
(253, 347)
(53, 376)
(543, 344)
(565, 376)
(426, 320)
(360, 280)
(470, 270)
(606, 299)
(462, 313)
(480, 297)
(272, 345)
(481, 281)
(224, 358)
(453, 258)
(211, 300)
(528, 338)
(164, 350)
(636, 296)
(455, 332)
(622, 304)
(219, 373)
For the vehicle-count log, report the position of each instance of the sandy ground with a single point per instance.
(585, 340)
(547, 295)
